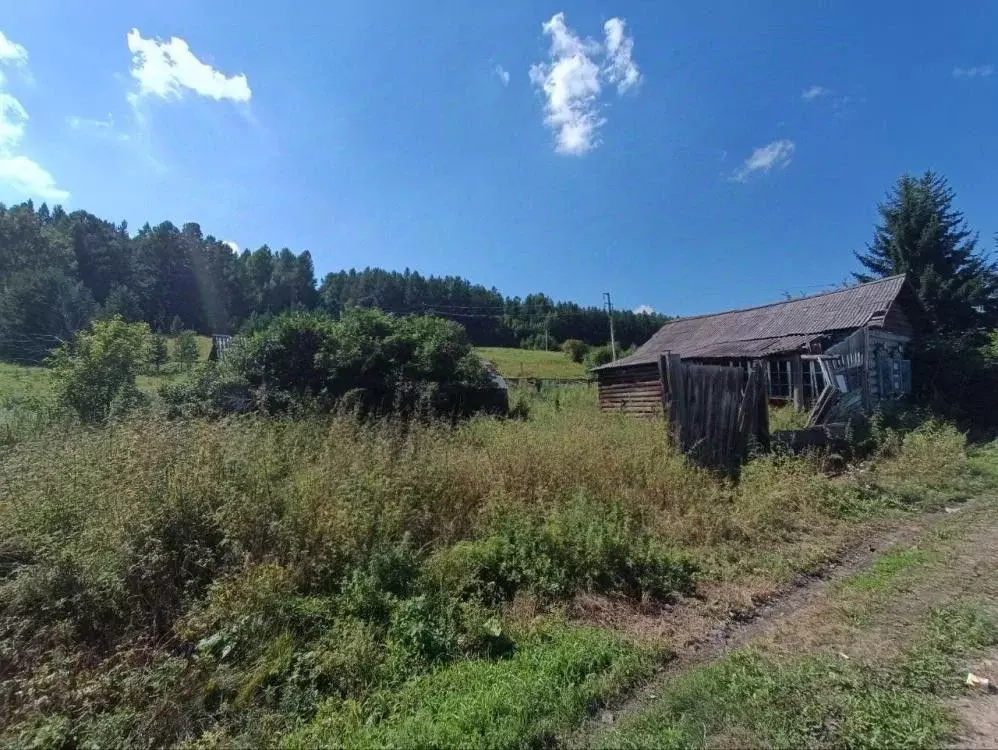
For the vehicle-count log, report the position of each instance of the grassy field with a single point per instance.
(324, 582)
(530, 363)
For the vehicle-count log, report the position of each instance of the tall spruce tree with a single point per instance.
(922, 235)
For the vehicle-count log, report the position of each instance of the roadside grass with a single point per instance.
(884, 573)
(531, 363)
(750, 699)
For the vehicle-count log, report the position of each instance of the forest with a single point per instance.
(59, 271)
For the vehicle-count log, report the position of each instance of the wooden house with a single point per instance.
(855, 337)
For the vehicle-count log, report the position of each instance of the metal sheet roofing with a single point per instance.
(776, 328)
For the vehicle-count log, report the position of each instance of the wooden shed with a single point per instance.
(866, 328)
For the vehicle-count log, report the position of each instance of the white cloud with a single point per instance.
(30, 178)
(97, 128)
(644, 310)
(620, 68)
(17, 170)
(232, 245)
(978, 71)
(776, 154)
(814, 92)
(572, 81)
(13, 120)
(165, 69)
(502, 73)
(11, 52)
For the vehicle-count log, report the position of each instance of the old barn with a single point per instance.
(856, 337)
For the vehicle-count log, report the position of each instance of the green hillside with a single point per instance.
(531, 363)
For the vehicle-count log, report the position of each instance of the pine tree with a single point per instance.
(923, 236)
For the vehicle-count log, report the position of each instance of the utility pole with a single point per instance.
(546, 319)
(613, 340)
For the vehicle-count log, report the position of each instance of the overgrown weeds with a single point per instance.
(240, 579)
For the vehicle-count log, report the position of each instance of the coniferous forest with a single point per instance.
(59, 271)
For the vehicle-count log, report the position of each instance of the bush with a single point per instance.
(186, 351)
(100, 368)
(581, 547)
(159, 352)
(598, 355)
(367, 362)
(575, 349)
(957, 377)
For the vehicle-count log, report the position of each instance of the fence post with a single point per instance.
(677, 398)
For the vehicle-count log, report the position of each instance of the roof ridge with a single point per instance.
(785, 301)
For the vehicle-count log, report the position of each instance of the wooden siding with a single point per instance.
(881, 343)
(631, 390)
(897, 322)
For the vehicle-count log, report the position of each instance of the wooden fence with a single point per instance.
(715, 414)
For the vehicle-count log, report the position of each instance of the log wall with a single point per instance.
(635, 390)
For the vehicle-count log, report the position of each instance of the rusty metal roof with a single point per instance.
(776, 328)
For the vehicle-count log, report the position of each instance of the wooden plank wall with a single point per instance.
(715, 413)
(635, 390)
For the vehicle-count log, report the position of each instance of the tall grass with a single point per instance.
(162, 580)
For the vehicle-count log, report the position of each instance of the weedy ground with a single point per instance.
(320, 582)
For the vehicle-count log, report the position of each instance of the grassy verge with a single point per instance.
(871, 664)
(531, 363)
(749, 699)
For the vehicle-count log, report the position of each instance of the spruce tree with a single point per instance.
(922, 235)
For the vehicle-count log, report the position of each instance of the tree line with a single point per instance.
(59, 271)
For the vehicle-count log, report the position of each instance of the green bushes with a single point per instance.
(585, 546)
(99, 367)
(575, 349)
(366, 362)
(598, 355)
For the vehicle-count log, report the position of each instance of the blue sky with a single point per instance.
(690, 156)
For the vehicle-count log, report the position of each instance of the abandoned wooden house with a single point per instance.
(853, 340)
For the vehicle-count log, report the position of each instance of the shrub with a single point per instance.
(575, 349)
(186, 351)
(159, 352)
(581, 547)
(367, 362)
(598, 355)
(100, 366)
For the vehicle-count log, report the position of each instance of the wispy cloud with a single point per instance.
(18, 171)
(12, 53)
(502, 74)
(644, 310)
(232, 245)
(620, 68)
(978, 71)
(98, 128)
(166, 69)
(572, 80)
(775, 155)
(814, 92)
